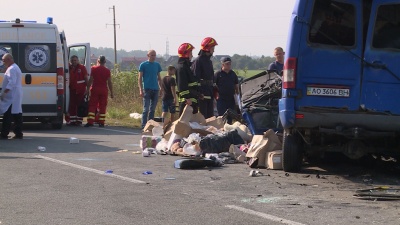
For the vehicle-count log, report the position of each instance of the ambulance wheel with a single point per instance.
(291, 154)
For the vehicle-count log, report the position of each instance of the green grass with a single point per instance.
(127, 100)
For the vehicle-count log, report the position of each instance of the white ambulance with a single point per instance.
(42, 53)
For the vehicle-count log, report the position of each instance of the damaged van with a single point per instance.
(259, 97)
(341, 79)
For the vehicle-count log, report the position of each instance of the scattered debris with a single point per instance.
(383, 193)
(147, 172)
(108, 171)
(41, 148)
(73, 140)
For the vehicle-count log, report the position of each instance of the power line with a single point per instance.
(115, 36)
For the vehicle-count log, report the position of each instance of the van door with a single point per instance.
(381, 80)
(82, 50)
(328, 63)
(37, 47)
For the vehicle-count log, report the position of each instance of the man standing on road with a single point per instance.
(11, 98)
(77, 87)
(227, 83)
(278, 64)
(149, 83)
(100, 81)
(187, 82)
(204, 70)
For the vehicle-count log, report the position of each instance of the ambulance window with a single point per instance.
(387, 27)
(3, 50)
(332, 23)
(79, 51)
(39, 58)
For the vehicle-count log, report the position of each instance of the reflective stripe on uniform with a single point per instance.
(80, 81)
(193, 84)
(207, 97)
(184, 93)
(90, 116)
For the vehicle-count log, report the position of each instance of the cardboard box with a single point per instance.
(150, 125)
(167, 134)
(274, 161)
(198, 118)
(215, 122)
(182, 129)
(149, 141)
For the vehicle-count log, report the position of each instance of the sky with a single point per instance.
(244, 27)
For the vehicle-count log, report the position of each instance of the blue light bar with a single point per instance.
(50, 20)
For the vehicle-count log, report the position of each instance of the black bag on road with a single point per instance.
(83, 108)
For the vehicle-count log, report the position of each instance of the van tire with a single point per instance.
(291, 154)
(56, 126)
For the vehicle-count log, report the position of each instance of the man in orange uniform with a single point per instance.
(100, 80)
(77, 86)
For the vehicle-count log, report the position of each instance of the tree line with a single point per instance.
(239, 62)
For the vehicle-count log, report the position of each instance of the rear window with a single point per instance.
(332, 23)
(387, 27)
(39, 58)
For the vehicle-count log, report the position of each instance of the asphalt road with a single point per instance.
(67, 184)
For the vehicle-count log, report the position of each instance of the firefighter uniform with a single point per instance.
(187, 85)
(203, 69)
(98, 94)
(77, 87)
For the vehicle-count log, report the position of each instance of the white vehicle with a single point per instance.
(42, 53)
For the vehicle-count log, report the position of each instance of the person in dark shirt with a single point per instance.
(203, 69)
(169, 98)
(227, 83)
(278, 64)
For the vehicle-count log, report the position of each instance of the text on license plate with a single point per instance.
(322, 91)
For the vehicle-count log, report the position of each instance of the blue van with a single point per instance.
(341, 79)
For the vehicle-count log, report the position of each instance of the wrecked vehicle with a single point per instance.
(259, 97)
(341, 79)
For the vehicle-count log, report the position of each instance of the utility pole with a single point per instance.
(115, 36)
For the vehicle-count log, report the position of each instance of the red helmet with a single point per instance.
(184, 50)
(207, 43)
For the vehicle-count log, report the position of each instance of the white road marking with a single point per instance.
(91, 170)
(264, 215)
(120, 131)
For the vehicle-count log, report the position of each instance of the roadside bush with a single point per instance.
(126, 98)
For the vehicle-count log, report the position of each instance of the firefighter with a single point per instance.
(187, 83)
(77, 87)
(204, 70)
(100, 80)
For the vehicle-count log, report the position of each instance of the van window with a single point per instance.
(38, 58)
(3, 50)
(332, 23)
(387, 27)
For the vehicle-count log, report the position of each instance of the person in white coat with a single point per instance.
(11, 98)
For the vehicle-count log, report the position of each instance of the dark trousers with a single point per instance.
(206, 107)
(7, 119)
(223, 105)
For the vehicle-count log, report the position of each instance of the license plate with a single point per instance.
(326, 91)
